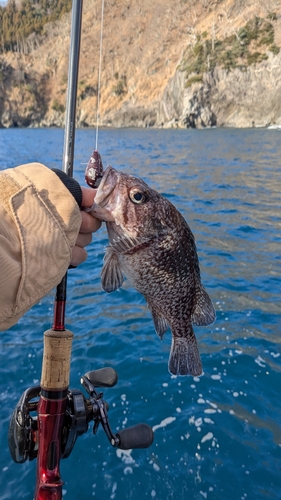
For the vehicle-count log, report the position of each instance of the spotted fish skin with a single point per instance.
(152, 246)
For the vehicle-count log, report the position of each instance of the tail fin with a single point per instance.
(184, 356)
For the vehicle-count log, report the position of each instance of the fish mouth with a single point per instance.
(107, 185)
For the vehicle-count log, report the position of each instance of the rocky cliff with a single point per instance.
(154, 70)
(225, 98)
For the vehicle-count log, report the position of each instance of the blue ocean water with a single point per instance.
(217, 436)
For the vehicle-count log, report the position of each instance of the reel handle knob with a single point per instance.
(104, 377)
(138, 436)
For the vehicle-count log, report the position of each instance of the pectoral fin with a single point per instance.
(121, 245)
(111, 274)
(203, 313)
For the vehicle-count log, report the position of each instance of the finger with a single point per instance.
(88, 196)
(79, 255)
(89, 223)
(83, 239)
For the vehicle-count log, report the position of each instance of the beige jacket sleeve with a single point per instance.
(39, 224)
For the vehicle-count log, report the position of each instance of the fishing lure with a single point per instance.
(94, 170)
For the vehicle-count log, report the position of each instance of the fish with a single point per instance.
(151, 245)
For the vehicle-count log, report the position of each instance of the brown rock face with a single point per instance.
(142, 84)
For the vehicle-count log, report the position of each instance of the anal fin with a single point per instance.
(160, 323)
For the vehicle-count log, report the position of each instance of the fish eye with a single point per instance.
(137, 196)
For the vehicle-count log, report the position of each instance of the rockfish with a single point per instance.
(153, 247)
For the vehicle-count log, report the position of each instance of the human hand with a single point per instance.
(88, 226)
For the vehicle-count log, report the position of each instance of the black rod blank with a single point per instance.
(69, 136)
(73, 67)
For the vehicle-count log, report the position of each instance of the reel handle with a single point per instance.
(138, 436)
(104, 377)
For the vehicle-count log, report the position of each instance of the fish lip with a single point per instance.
(103, 195)
(99, 210)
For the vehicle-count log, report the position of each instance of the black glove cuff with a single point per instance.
(71, 184)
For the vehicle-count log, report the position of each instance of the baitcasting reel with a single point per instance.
(22, 436)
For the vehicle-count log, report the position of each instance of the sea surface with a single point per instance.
(217, 437)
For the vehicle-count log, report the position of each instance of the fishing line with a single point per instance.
(99, 75)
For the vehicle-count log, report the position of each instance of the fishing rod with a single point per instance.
(54, 384)
(49, 418)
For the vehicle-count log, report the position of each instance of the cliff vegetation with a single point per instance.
(20, 20)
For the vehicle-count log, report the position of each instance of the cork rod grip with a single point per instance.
(56, 360)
